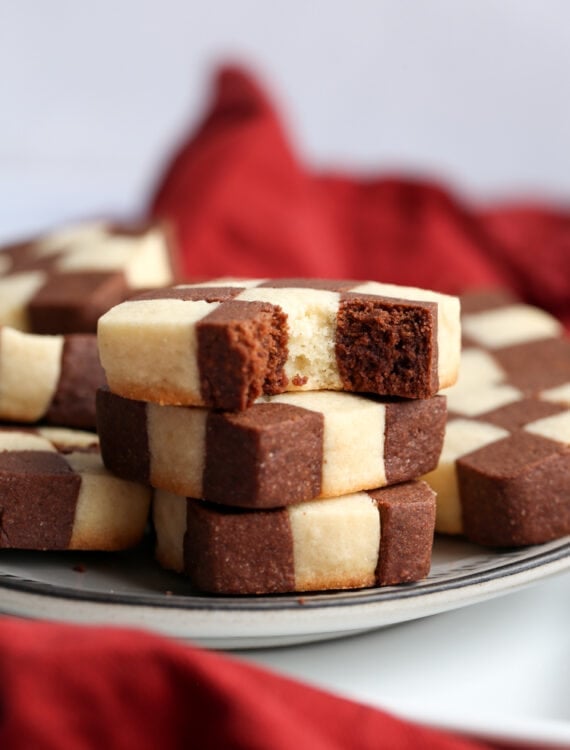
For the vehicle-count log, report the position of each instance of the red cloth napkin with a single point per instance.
(244, 204)
(69, 687)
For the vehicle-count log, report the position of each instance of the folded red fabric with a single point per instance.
(67, 687)
(244, 204)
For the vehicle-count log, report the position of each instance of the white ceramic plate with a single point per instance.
(129, 589)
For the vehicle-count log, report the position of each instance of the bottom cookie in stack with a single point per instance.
(375, 538)
(55, 494)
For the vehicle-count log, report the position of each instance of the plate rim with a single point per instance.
(537, 558)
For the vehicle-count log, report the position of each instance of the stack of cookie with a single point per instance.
(242, 403)
(55, 493)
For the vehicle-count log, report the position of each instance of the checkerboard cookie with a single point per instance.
(504, 474)
(224, 344)
(282, 450)
(49, 378)
(375, 538)
(56, 495)
(63, 281)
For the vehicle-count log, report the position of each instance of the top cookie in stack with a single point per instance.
(225, 343)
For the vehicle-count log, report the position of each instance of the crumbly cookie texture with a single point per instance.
(63, 281)
(55, 494)
(282, 450)
(226, 343)
(375, 538)
(49, 378)
(504, 475)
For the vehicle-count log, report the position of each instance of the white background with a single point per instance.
(95, 93)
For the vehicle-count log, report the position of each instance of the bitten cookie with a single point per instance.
(224, 344)
(56, 495)
(286, 449)
(504, 475)
(64, 281)
(49, 378)
(376, 538)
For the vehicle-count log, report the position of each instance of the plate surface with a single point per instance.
(129, 589)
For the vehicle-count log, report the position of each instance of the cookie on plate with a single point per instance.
(63, 281)
(49, 378)
(504, 475)
(55, 494)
